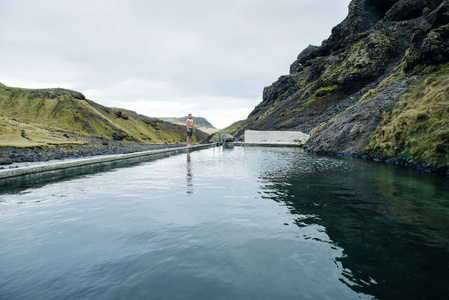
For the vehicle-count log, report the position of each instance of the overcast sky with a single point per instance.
(161, 58)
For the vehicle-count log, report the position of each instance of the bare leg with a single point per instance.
(188, 141)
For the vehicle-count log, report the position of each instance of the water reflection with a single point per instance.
(281, 225)
(21, 183)
(189, 175)
(391, 225)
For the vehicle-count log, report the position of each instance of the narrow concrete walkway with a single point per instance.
(279, 145)
(15, 172)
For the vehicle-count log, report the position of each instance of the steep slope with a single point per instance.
(360, 77)
(42, 116)
(417, 129)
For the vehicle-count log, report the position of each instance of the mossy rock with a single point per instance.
(418, 127)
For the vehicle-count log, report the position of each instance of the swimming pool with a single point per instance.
(228, 223)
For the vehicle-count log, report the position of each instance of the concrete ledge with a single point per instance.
(244, 144)
(8, 173)
(275, 137)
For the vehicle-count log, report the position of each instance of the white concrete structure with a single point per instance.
(275, 137)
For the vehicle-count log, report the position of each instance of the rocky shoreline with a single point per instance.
(10, 155)
(37, 154)
(419, 166)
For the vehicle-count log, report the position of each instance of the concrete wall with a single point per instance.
(275, 137)
(9, 173)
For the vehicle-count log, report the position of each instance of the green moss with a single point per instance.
(442, 30)
(235, 127)
(286, 112)
(386, 41)
(358, 59)
(301, 81)
(324, 91)
(418, 127)
(434, 42)
(355, 48)
(316, 129)
(386, 82)
(318, 94)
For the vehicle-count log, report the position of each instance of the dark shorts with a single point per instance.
(190, 132)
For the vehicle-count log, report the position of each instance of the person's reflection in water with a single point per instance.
(189, 175)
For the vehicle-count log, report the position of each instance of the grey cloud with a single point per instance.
(202, 48)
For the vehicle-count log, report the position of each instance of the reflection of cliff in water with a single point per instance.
(394, 237)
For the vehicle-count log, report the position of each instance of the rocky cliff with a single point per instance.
(378, 86)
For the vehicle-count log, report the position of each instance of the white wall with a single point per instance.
(275, 137)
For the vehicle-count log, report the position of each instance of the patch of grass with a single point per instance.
(386, 82)
(324, 91)
(272, 107)
(21, 134)
(318, 94)
(418, 127)
(437, 32)
(316, 129)
(235, 127)
(301, 81)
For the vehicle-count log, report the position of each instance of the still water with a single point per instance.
(232, 223)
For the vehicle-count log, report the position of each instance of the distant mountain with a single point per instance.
(50, 116)
(199, 121)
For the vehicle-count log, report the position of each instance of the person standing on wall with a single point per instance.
(190, 130)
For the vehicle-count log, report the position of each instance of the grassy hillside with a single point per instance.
(200, 123)
(41, 116)
(20, 134)
(418, 127)
(236, 129)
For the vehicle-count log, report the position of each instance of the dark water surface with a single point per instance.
(233, 223)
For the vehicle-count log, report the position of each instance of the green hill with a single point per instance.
(199, 121)
(31, 117)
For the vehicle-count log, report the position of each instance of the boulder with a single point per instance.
(278, 88)
(309, 53)
(5, 161)
(228, 138)
(406, 10)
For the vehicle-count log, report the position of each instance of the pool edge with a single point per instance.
(16, 172)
